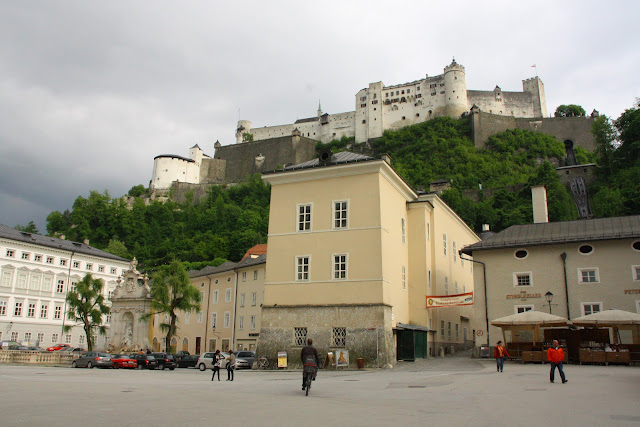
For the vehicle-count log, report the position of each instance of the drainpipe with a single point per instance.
(235, 302)
(486, 298)
(206, 322)
(563, 255)
(64, 310)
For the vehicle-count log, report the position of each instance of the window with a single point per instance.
(241, 322)
(57, 312)
(37, 258)
(40, 337)
(108, 319)
(26, 255)
(187, 317)
(300, 336)
(88, 267)
(302, 268)
(428, 231)
(22, 281)
(522, 308)
(7, 278)
(3, 308)
(227, 319)
(636, 245)
(252, 322)
(446, 285)
(444, 244)
(455, 288)
(27, 336)
(591, 307)
(214, 320)
(110, 295)
(46, 283)
(304, 217)
(54, 338)
(199, 317)
(227, 295)
(31, 309)
(60, 286)
(338, 337)
(404, 277)
(76, 264)
(81, 339)
(403, 230)
(635, 271)
(63, 262)
(588, 275)
(521, 254)
(522, 279)
(14, 336)
(429, 278)
(215, 296)
(101, 269)
(585, 249)
(457, 332)
(35, 281)
(255, 274)
(67, 339)
(254, 298)
(49, 260)
(340, 214)
(448, 330)
(114, 270)
(455, 253)
(442, 328)
(340, 266)
(10, 253)
(241, 300)
(17, 310)
(244, 276)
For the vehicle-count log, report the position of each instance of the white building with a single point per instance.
(35, 273)
(168, 168)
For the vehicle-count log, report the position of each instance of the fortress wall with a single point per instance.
(212, 171)
(518, 104)
(271, 132)
(483, 125)
(339, 125)
(577, 129)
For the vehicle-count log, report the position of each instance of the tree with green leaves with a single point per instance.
(171, 292)
(117, 248)
(87, 305)
(570, 110)
(29, 228)
(137, 191)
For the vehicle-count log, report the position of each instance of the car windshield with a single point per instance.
(151, 358)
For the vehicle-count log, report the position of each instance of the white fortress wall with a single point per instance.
(271, 132)
(516, 104)
(169, 169)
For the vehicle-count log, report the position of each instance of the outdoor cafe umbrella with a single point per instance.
(608, 318)
(529, 320)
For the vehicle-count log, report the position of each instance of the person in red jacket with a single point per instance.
(556, 356)
(500, 353)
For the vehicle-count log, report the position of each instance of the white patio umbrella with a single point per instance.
(608, 318)
(532, 318)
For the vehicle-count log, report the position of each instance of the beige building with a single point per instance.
(230, 312)
(587, 266)
(353, 254)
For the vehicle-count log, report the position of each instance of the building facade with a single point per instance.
(587, 265)
(353, 254)
(36, 274)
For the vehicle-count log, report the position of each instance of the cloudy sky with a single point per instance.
(91, 92)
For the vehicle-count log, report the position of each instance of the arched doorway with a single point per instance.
(185, 344)
(156, 344)
(174, 345)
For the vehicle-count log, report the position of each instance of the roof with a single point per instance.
(228, 266)
(256, 250)
(550, 233)
(174, 156)
(336, 159)
(11, 233)
(307, 120)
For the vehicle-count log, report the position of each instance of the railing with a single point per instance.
(51, 358)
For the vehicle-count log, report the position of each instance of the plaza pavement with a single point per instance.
(453, 391)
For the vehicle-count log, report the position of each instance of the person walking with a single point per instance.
(216, 365)
(231, 365)
(500, 353)
(556, 356)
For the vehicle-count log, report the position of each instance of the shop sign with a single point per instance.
(631, 291)
(450, 300)
(522, 295)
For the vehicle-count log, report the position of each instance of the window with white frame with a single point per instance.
(302, 268)
(108, 318)
(35, 281)
(227, 319)
(635, 271)
(522, 308)
(37, 258)
(588, 275)
(244, 276)
(403, 226)
(404, 277)
(457, 332)
(227, 295)
(446, 285)
(522, 279)
(254, 299)
(338, 337)
(187, 317)
(26, 255)
(31, 309)
(444, 243)
(27, 336)
(67, 339)
(215, 296)
(57, 312)
(255, 274)
(49, 260)
(304, 217)
(54, 338)
(81, 339)
(11, 253)
(110, 295)
(340, 266)
(448, 330)
(442, 328)
(241, 322)
(252, 322)
(22, 280)
(299, 337)
(113, 270)
(199, 317)
(17, 309)
(3, 308)
(88, 267)
(591, 307)
(340, 214)
(7, 277)
(60, 286)
(241, 300)
(14, 336)
(214, 320)
(40, 337)
(63, 262)
(46, 283)
(76, 264)
(455, 252)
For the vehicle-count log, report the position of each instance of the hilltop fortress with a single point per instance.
(377, 108)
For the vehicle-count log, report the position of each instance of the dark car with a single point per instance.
(247, 355)
(165, 360)
(179, 355)
(188, 361)
(92, 359)
(145, 361)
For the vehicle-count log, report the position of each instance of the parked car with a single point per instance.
(18, 347)
(57, 347)
(72, 350)
(165, 360)
(205, 361)
(179, 355)
(92, 359)
(242, 363)
(188, 361)
(248, 355)
(123, 361)
(145, 361)
(4, 345)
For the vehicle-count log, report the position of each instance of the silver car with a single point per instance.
(205, 361)
(92, 359)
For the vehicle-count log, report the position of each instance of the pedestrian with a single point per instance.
(216, 365)
(500, 353)
(556, 355)
(231, 365)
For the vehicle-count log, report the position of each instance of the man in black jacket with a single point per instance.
(309, 351)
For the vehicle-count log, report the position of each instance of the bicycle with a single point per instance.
(309, 372)
(263, 363)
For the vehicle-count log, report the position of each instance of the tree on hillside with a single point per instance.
(117, 248)
(87, 305)
(58, 223)
(29, 228)
(172, 291)
(605, 136)
(628, 126)
(570, 110)
(137, 191)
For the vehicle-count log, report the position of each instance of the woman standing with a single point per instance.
(231, 365)
(216, 365)
(500, 353)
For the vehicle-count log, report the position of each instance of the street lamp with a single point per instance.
(549, 297)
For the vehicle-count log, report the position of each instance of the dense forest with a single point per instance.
(489, 185)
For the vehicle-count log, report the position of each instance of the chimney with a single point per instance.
(386, 158)
(485, 227)
(539, 199)
(62, 237)
(86, 242)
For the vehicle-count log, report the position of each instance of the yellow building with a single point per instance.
(353, 253)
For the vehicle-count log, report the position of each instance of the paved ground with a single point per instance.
(452, 391)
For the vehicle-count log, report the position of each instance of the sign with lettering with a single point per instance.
(524, 295)
(450, 300)
(631, 291)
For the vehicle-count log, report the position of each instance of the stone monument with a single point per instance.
(131, 299)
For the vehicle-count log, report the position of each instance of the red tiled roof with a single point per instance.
(256, 250)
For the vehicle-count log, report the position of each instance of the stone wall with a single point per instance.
(50, 358)
(364, 339)
(212, 171)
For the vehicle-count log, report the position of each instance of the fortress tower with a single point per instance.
(455, 85)
(244, 126)
(535, 87)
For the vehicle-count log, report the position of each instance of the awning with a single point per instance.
(530, 317)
